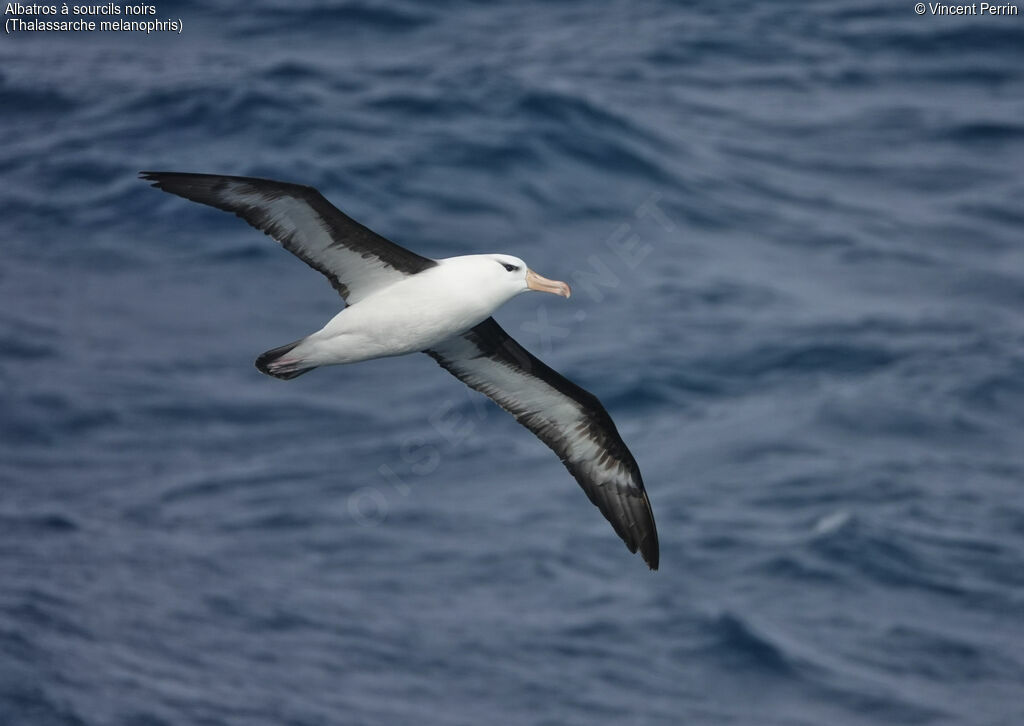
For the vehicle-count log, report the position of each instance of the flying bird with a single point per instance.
(398, 302)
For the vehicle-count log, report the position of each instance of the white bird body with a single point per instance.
(400, 302)
(415, 313)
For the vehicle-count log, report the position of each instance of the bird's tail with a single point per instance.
(276, 362)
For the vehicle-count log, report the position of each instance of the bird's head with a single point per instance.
(511, 273)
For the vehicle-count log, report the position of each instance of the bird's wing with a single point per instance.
(565, 417)
(355, 259)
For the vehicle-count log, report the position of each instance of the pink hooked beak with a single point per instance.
(543, 284)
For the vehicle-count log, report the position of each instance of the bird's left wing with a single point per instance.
(565, 417)
(355, 259)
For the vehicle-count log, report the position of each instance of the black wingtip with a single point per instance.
(651, 556)
(157, 179)
(647, 545)
(649, 548)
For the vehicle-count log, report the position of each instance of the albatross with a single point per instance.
(398, 302)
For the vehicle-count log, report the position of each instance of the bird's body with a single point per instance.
(399, 302)
(414, 313)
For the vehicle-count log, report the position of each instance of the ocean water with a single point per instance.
(813, 344)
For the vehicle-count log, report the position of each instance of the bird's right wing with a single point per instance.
(356, 260)
(571, 421)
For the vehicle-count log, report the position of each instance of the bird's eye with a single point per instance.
(510, 268)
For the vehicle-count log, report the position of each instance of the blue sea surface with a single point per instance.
(794, 232)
